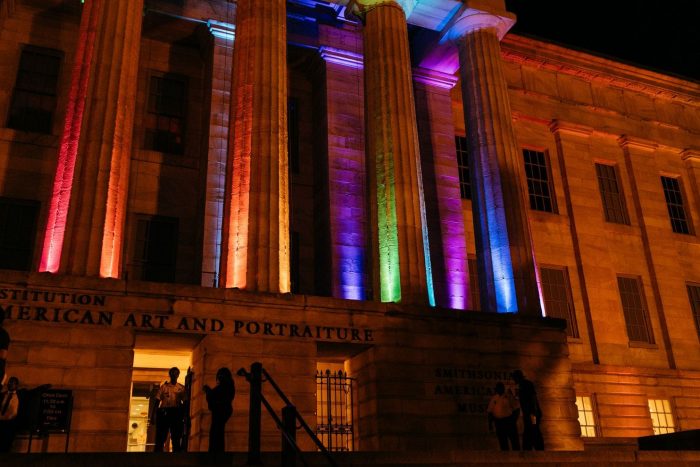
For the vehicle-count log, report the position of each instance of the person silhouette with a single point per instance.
(220, 401)
(4, 346)
(170, 416)
(532, 414)
(503, 412)
(9, 408)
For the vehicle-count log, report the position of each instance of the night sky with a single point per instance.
(662, 35)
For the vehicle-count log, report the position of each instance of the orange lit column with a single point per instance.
(94, 236)
(505, 259)
(396, 204)
(255, 252)
(220, 105)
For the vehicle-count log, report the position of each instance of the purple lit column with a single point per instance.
(505, 260)
(448, 246)
(346, 172)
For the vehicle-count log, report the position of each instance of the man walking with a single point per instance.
(532, 414)
(502, 411)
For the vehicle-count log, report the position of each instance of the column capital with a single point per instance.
(222, 30)
(341, 57)
(473, 19)
(362, 7)
(435, 78)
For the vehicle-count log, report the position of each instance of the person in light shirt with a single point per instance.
(9, 407)
(503, 411)
(170, 416)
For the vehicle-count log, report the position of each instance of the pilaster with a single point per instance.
(100, 184)
(346, 172)
(448, 246)
(222, 37)
(255, 252)
(505, 262)
(397, 208)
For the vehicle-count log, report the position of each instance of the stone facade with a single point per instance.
(349, 193)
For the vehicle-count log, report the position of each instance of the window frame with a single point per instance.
(151, 113)
(138, 264)
(594, 414)
(474, 290)
(672, 414)
(695, 312)
(645, 313)
(463, 171)
(552, 196)
(684, 203)
(572, 323)
(621, 199)
(32, 235)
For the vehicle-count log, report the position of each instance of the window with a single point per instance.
(34, 96)
(474, 293)
(165, 119)
(465, 185)
(661, 416)
(674, 203)
(556, 291)
(293, 130)
(335, 392)
(610, 193)
(634, 309)
(586, 416)
(156, 248)
(538, 183)
(694, 296)
(17, 231)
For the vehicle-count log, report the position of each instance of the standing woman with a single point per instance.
(220, 401)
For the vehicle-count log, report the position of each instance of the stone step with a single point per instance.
(598, 458)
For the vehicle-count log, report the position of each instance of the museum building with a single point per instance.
(390, 204)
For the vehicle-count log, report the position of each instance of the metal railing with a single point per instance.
(335, 427)
(287, 424)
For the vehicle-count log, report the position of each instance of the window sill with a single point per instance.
(642, 345)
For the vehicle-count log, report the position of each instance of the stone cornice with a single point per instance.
(537, 54)
(435, 78)
(558, 126)
(626, 141)
(341, 57)
(472, 20)
(692, 154)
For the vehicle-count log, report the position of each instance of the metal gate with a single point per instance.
(334, 414)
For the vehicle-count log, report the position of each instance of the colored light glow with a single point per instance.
(504, 282)
(68, 149)
(424, 231)
(389, 270)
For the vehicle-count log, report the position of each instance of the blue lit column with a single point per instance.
(506, 265)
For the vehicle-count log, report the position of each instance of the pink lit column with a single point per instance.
(448, 246)
(68, 148)
(505, 259)
(220, 105)
(346, 172)
(96, 216)
(255, 252)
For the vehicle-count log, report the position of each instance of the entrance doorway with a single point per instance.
(335, 396)
(153, 358)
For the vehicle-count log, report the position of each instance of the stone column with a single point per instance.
(55, 231)
(220, 105)
(346, 172)
(255, 252)
(436, 133)
(99, 190)
(505, 259)
(397, 209)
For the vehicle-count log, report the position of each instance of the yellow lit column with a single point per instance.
(392, 151)
(97, 212)
(255, 250)
(505, 259)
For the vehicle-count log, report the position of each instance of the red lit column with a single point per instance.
(68, 148)
(255, 250)
(505, 260)
(396, 204)
(220, 106)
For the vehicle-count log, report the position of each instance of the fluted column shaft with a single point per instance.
(392, 145)
(505, 260)
(221, 60)
(256, 216)
(100, 184)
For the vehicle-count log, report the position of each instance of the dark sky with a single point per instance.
(661, 35)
